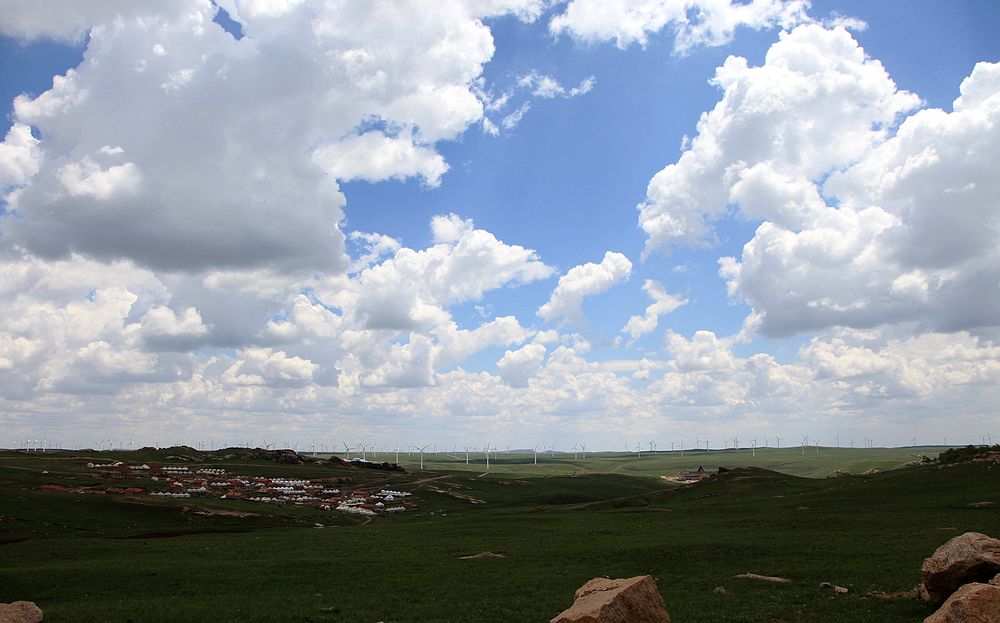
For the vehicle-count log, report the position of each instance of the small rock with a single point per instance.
(626, 600)
(721, 590)
(840, 589)
(996, 580)
(20, 612)
(973, 603)
(825, 585)
(971, 557)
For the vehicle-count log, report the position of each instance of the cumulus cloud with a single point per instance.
(413, 288)
(907, 233)
(663, 303)
(582, 281)
(375, 157)
(516, 367)
(817, 104)
(233, 175)
(695, 23)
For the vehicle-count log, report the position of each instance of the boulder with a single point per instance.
(973, 603)
(971, 557)
(20, 612)
(625, 600)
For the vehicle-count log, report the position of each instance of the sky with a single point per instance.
(509, 222)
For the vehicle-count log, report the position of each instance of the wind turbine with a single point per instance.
(486, 449)
(753, 451)
(817, 445)
(777, 441)
(347, 450)
(535, 453)
(805, 442)
(652, 447)
(422, 455)
(466, 454)
(736, 443)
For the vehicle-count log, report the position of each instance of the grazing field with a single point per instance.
(809, 462)
(121, 558)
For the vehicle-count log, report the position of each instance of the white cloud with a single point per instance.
(87, 179)
(246, 129)
(19, 156)
(816, 105)
(545, 86)
(164, 328)
(695, 22)
(375, 157)
(663, 303)
(456, 344)
(413, 288)
(517, 367)
(582, 281)
(69, 20)
(264, 366)
(912, 237)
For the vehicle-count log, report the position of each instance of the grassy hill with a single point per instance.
(92, 558)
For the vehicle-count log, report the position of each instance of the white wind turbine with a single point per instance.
(421, 450)
(777, 441)
(466, 454)
(753, 451)
(652, 447)
(486, 449)
(535, 453)
(805, 442)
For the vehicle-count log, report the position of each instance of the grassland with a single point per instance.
(809, 462)
(103, 558)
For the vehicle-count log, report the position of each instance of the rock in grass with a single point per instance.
(971, 557)
(973, 603)
(20, 612)
(626, 600)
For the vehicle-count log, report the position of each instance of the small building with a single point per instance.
(695, 476)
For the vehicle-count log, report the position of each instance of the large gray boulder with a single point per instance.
(971, 557)
(973, 603)
(20, 612)
(625, 600)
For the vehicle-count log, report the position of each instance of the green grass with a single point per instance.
(78, 558)
(811, 462)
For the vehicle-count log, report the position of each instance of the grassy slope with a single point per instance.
(865, 533)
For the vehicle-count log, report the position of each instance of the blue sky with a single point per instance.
(832, 320)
